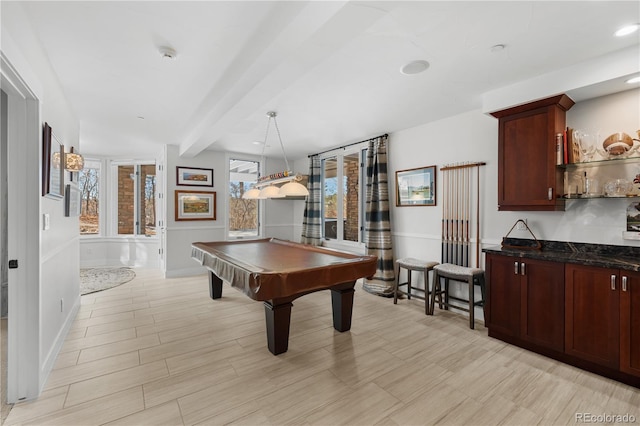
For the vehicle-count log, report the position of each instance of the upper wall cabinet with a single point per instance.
(528, 178)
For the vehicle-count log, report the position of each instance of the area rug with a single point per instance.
(98, 279)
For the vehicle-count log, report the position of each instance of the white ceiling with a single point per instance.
(330, 69)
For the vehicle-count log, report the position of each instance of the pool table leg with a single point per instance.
(342, 304)
(278, 320)
(215, 286)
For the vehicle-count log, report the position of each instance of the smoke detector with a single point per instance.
(167, 52)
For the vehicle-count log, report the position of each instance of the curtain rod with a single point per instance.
(345, 146)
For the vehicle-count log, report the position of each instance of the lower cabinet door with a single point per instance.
(542, 308)
(504, 294)
(592, 314)
(630, 322)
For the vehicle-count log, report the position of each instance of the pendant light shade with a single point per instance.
(251, 194)
(294, 189)
(270, 191)
(73, 162)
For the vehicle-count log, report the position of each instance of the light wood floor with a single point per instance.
(4, 411)
(160, 351)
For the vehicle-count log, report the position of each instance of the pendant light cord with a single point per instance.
(286, 162)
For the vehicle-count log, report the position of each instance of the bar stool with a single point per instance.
(472, 276)
(411, 264)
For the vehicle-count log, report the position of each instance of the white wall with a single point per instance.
(139, 252)
(277, 214)
(59, 246)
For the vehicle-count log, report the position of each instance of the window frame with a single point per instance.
(261, 209)
(101, 195)
(339, 154)
(112, 219)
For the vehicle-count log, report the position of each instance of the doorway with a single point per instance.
(4, 255)
(21, 132)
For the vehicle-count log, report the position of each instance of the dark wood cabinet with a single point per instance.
(586, 316)
(630, 322)
(526, 300)
(543, 304)
(503, 294)
(592, 317)
(528, 178)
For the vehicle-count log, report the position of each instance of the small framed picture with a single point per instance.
(193, 176)
(195, 205)
(72, 200)
(52, 164)
(416, 187)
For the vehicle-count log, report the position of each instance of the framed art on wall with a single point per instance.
(194, 176)
(416, 187)
(72, 200)
(52, 164)
(195, 205)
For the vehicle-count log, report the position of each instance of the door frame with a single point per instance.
(23, 181)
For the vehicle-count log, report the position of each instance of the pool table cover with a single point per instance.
(270, 268)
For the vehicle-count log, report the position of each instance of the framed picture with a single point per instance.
(416, 187)
(193, 176)
(195, 205)
(52, 164)
(72, 201)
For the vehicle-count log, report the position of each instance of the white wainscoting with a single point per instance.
(139, 252)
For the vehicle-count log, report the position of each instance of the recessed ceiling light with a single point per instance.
(634, 80)
(414, 67)
(167, 52)
(629, 29)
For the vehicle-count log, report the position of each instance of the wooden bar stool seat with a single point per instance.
(411, 264)
(471, 276)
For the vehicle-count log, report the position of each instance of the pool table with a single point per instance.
(277, 272)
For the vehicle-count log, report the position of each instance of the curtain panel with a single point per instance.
(312, 221)
(377, 220)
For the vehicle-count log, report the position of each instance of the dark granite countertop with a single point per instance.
(601, 255)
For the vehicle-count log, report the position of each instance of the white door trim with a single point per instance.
(23, 158)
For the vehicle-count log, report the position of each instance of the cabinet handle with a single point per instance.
(613, 282)
(550, 194)
(624, 283)
(515, 268)
(522, 268)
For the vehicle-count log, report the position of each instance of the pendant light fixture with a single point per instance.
(291, 186)
(73, 161)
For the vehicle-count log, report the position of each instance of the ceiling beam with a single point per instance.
(310, 35)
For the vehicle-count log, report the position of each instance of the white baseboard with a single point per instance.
(51, 357)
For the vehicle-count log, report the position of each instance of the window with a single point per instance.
(342, 195)
(136, 194)
(89, 186)
(243, 214)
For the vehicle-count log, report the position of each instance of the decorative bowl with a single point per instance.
(618, 144)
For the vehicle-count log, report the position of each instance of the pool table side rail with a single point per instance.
(261, 284)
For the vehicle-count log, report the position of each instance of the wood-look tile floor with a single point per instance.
(159, 351)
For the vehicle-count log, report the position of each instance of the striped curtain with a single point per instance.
(378, 225)
(312, 222)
